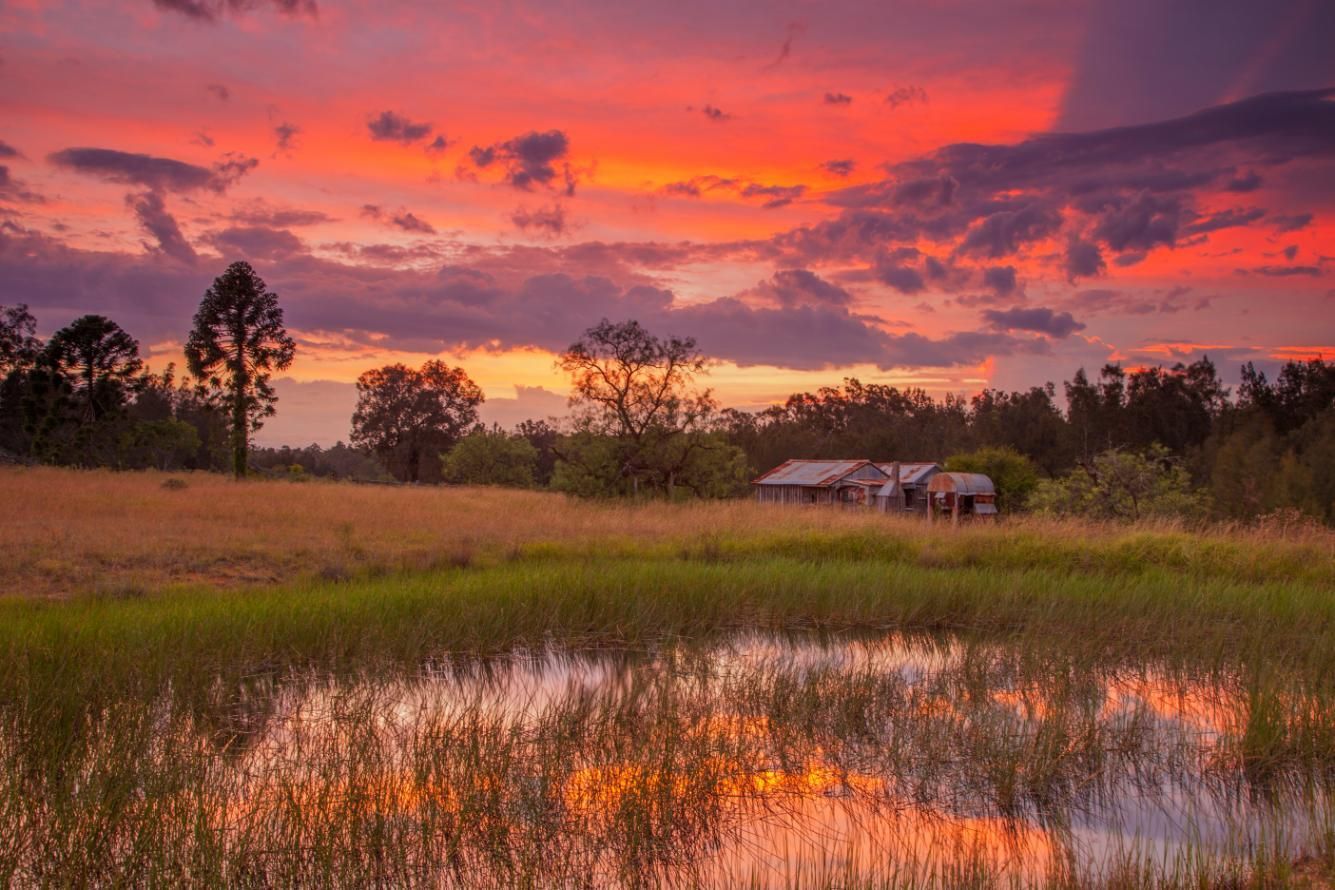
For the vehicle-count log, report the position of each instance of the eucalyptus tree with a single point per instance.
(237, 342)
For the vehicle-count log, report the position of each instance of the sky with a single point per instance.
(950, 194)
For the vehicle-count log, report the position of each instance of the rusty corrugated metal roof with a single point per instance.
(962, 483)
(910, 473)
(811, 473)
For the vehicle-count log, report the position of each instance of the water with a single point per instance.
(770, 761)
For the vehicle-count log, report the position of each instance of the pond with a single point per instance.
(760, 761)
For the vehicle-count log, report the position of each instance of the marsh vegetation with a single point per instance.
(360, 686)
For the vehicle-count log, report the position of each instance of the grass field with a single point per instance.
(139, 616)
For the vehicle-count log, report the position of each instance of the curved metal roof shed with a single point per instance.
(962, 483)
(961, 494)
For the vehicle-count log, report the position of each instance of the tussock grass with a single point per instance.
(74, 533)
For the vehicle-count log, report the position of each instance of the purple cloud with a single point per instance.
(1039, 319)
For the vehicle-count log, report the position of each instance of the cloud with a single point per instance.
(212, 10)
(154, 219)
(1141, 223)
(218, 91)
(535, 158)
(1082, 259)
(9, 151)
(399, 219)
(1003, 233)
(550, 221)
(1225, 219)
(891, 269)
(838, 99)
(285, 135)
(13, 190)
(437, 145)
(718, 115)
(259, 213)
(1291, 223)
(1001, 279)
(151, 172)
(1039, 319)
(799, 287)
(1281, 271)
(1244, 182)
(841, 167)
(774, 195)
(905, 95)
(390, 126)
(374, 306)
(793, 31)
(256, 243)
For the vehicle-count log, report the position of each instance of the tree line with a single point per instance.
(1126, 443)
(85, 398)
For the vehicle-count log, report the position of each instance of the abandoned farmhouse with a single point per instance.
(897, 487)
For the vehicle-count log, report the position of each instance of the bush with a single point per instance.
(1011, 472)
(1123, 485)
(491, 457)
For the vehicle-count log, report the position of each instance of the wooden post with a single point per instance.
(955, 510)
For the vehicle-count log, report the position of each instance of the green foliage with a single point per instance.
(1123, 485)
(1012, 473)
(162, 444)
(408, 417)
(491, 457)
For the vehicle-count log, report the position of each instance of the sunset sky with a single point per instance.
(942, 193)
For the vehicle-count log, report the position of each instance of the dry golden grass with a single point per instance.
(67, 532)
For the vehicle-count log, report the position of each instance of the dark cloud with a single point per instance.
(550, 221)
(1281, 271)
(1225, 219)
(1082, 259)
(531, 159)
(1001, 279)
(429, 309)
(774, 195)
(1039, 319)
(1291, 223)
(399, 219)
(1140, 223)
(793, 31)
(261, 214)
(12, 189)
(285, 135)
(1244, 182)
(841, 167)
(256, 243)
(905, 95)
(164, 174)
(218, 91)
(213, 10)
(800, 287)
(151, 211)
(838, 99)
(894, 269)
(437, 145)
(1003, 233)
(390, 126)
(8, 151)
(1290, 252)
(716, 114)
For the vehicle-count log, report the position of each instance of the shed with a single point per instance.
(961, 494)
(820, 482)
(906, 488)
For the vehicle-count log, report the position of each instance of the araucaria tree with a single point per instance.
(410, 417)
(98, 359)
(237, 342)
